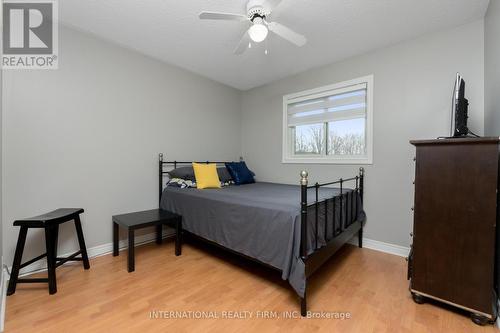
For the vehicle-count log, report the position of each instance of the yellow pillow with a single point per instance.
(206, 175)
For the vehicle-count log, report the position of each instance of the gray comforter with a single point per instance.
(260, 220)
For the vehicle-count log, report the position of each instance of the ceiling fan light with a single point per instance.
(258, 32)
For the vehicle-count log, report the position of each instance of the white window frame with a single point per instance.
(288, 157)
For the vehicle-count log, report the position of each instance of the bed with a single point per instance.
(291, 228)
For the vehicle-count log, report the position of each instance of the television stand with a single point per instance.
(469, 135)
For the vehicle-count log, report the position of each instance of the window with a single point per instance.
(331, 124)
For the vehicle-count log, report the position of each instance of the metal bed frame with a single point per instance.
(342, 232)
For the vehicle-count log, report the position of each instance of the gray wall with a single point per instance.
(492, 69)
(88, 134)
(413, 84)
(1, 136)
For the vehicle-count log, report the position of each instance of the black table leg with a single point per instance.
(178, 237)
(115, 239)
(17, 260)
(51, 259)
(55, 237)
(131, 261)
(159, 233)
(303, 302)
(81, 242)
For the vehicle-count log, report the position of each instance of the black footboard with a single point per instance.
(341, 232)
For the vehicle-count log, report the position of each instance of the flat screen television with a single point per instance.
(459, 109)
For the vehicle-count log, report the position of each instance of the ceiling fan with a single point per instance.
(257, 15)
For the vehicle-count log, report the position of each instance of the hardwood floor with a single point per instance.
(369, 285)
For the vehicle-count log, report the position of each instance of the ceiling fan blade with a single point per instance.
(287, 33)
(243, 44)
(270, 5)
(222, 16)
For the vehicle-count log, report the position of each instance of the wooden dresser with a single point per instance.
(452, 259)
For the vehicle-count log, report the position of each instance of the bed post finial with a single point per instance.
(160, 156)
(361, 171)
(303, 177)
(241, 159)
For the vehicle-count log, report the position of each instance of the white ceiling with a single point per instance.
(336, 29)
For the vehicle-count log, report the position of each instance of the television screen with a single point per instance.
(460, 107)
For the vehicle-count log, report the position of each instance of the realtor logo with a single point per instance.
(30, 38)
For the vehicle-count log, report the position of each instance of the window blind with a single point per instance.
(340, 104)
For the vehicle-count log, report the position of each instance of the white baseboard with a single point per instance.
(372, 244)
(93, 252)
(107, 248)
(4, 276)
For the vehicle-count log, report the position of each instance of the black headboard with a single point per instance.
(176, 164)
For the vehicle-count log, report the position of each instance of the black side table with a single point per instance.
(147, 218)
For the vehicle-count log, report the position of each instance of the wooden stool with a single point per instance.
(50, 222)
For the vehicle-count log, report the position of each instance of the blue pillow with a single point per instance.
(240, 173)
